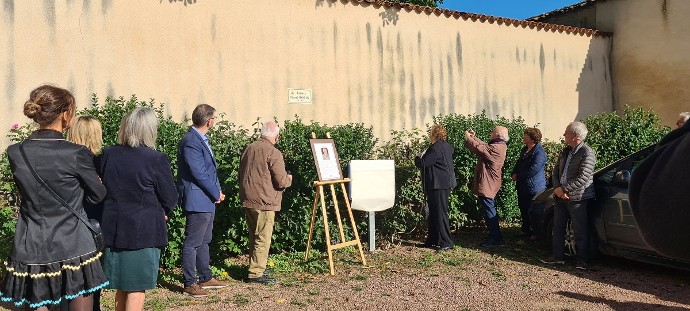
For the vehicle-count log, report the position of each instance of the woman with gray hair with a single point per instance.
(141, 193)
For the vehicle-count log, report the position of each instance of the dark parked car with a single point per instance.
(613, 229)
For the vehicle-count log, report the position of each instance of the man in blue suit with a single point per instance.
(199, 191)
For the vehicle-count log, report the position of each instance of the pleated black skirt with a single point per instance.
(37, 285)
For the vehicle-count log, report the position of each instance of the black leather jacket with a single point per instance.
(47, 231)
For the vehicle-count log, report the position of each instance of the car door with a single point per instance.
(619, 223)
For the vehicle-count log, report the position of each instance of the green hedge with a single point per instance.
(355, 142)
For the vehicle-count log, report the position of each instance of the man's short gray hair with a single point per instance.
(579, 129)
(139, 128)
(270, 129)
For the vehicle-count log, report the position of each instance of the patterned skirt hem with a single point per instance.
(37, 285)
(52, 302)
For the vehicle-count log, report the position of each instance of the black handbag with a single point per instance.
(92, 224)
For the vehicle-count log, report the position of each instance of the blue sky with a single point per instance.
(519, 9)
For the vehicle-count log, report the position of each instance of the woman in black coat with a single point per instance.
(438, 181)
(54, 256)
(141, 192)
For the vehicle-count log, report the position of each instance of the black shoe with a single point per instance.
(491, 243)
(426, 245)
(261, 280)
(582, 266)
(268, 272)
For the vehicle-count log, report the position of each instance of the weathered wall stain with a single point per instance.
(517, 54)
(451, 86)
(213, 27)
(442, 88)
(49, 13)
(86, 7)
(107, 4)
(458, 51)
(413, 101)
(8, 8)
(402, 116)
(10, 84)
(392, 77)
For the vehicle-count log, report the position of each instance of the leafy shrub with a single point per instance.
(611, 135)
(406, 216)
(614, 136)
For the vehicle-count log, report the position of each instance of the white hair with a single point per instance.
(270, 129)
(139, 127)
(684, 115)
(579, 129)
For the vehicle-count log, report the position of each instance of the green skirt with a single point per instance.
(131, 270)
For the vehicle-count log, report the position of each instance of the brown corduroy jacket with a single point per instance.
(262, 176)
(488, 174)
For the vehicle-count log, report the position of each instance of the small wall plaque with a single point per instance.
(299, 96)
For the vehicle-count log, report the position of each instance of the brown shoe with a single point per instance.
(213, 284)
(195, 291)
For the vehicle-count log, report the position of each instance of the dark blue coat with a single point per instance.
(141, 192)
(197, 184)
(437, 166)
(529, 170)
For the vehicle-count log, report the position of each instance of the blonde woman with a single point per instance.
(87, 131)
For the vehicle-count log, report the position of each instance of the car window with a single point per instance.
(607, 176)
(627, 164)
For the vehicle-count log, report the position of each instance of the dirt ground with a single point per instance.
(406, 277)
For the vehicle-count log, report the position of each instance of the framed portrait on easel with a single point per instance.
(326, 159)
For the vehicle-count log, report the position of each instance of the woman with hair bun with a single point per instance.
(54, 256)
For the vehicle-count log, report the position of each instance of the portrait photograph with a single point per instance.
(326, 159)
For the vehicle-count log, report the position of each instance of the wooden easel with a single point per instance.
(320, 197)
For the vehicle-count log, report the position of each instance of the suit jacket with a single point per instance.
(437, 166)
(488, 173)
(529, 170)
(140, 192)
(580, 172)
(47, 231)
(197, 183)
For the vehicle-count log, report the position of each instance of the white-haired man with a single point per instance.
(682, 118)
(572, 181)
(262, 179)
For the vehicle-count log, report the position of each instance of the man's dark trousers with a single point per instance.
(195, 253)
(578, 215)
(491, 218)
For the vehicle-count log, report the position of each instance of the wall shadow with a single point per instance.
(591, 86)
(617, 305)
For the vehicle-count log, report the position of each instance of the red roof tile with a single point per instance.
(532, 24)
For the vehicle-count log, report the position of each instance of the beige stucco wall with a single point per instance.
(385, 67)
(651, 63)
